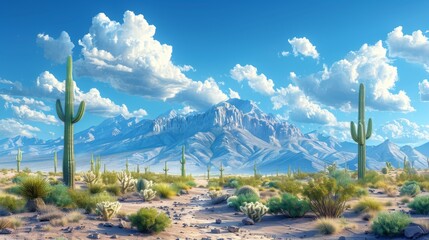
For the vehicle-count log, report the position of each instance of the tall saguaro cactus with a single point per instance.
(165, 169)
(18, 159)
(92, 162)
(363, 133)
(183, 162)
(69, 119)
(208, 172)
(55, 162)
(255, 170)
(221, 169)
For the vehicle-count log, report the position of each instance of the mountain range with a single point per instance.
(235, 132)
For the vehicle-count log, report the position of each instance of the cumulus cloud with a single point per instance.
(233, 94)
(413, 48)
(338, 85)
(301, 107)
(303, 46)
(48, 85)
(128, 57)
(258, 82)
(187, 68)
(26, 113)
(25, 100)
(55, 50)
(12, 127)
(285, 53)
(424, 90)
(186, 110)
(405, 131)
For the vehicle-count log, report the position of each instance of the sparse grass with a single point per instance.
(114, 189)
(74, 216)
(84, 200)
(328, 226)
(11, 203)
(391, 191)
(367, 205)
(180, 186)
(10, 222)
(164, 190)
(405, 200)
(95, 188)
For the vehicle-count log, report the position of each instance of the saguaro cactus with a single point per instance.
(183, 162)
(255, 170)
(427, 161)
(69, 119)
(362, 133)
(165, 169)
(92, 162)
(221, 171)
(138, 168)
(55, 162)
(146, 170)
(18, 159)
(126, 165)
(208, 171)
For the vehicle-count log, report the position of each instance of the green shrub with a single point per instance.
(237, 201)
(420, 204)
(390, 224)
(149, 220)
(410, 188)
(164, 190)
(371, 178)
(326, 198)
(114, 189)
(290, 186)
(19, 177)
(232, 183)
(367, 205)
(34, 187)
(360, 192)
(178, 186)
(191, 183)
(109, 178)
(95, 188)
(288, 205)
(59, 195)
(12, 204)
(245, 190)
(143, 184)
(88, 202)
(342, 178)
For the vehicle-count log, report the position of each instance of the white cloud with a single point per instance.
(258, 82)
(130, 59)
(413, 48)
(304, 47)
(233, 94)
(301, 108)
(12, 127)
(187, 68)
(55, 50)
(25, 112)
(424, 90)
(405, 131)
(186, 110)
(285, 53)
(338, 85)
(48, 85)
(27, 101)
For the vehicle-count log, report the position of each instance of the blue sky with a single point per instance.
(300, 60)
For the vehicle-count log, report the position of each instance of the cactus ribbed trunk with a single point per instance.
(208, 172)
(69, 119)
(18, 159)
(362, 133)
(165, 169)
(183, 162)
(55, 162)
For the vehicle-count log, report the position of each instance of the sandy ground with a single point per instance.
(193, 217)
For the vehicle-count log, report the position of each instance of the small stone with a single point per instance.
(6, 231)
(114, 236)
(215, 230)
(123, 224)
(107, 224)
(413, 231)
(367, 217)
(248, 221)
(218, 221)
(342, 238)
(94, 236)
(233, 229)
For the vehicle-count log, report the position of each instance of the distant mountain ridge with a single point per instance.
(235, 132)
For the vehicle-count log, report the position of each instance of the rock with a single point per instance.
(367, 217)
(218, 221)
(342, 238)
(107, 224)
(183, 191)
(33, 205)
(123, 224)
(114, 236)
(413, 231)
(215, 230)
(248, 221)
(4, 212)
(6, 231)
(94, 236)
(233, 229)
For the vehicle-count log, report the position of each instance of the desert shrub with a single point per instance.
(59, 195)
(254, 210)
(290, 186)
(328, 226)
(424, 186)
(109, 178)
(247, 190)
(420, 204)
(15, 190)
(143, 184)
(5, 223)
(178, 186)
(360, 192)
(74, 216)
(341, 177)
(367, 205)
(149, 220)
(19, 177)
(12, 204)
(34, 187)
(289, 205)
(191, 183)
(405, 200)
(410, 188)
(232, 183)
(107, 209)
(326, 198)
(217, 197)
(113, 189)
(88, 202)
(371, 178)
(390, 223)
(95, 188)
(237, 201)
(164, 190)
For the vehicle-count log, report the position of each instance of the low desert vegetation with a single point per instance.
(149, 220)
(390, 224)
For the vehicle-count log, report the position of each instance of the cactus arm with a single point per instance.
(369, 129)
(353, 131)
(80, 112)
(361, 134)
(59, 109)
